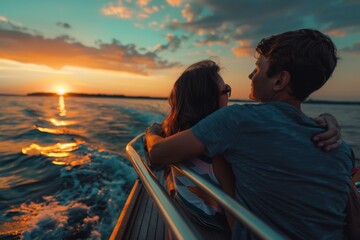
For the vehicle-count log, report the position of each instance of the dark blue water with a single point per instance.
(63, 168)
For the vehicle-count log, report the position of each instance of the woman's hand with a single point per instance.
(154, 129)
(331, 138)
(152, 135)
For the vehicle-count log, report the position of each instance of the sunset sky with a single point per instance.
(140, 47)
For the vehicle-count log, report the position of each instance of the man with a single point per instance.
(280, 175)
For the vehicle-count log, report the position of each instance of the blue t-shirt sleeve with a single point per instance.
(217, 130)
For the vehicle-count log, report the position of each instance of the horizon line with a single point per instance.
(103, 95)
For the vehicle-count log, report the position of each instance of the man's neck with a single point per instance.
(293, 102)
(290, 100)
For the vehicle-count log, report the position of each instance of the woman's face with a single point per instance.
(224, 97)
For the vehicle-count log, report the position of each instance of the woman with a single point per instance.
(198, 92)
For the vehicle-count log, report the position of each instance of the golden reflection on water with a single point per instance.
(72, 161)
(13, 228)
(60, 123)
(58, 150)
(58, 131)
(61, 107)
(50, 130)
(32, 214)
(61, 152)
(57, 122)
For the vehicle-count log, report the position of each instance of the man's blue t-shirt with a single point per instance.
(281, 176)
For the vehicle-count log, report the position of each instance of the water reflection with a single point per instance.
(5, 182)
(58, 150)
(61, 107)
(49, 212)
(57, 122)
(52, 131)
(62, 153)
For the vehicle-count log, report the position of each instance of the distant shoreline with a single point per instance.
(89, 95)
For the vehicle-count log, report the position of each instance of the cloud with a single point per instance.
(6, 23)
(142, 3)
(157, 26)
(118, 11)
(175, 3)
(3, 19)
(191, 12)
(243, 49)
(151, 10)
(212, 38)
(65, 51)
(242, 20)
(173, 44)
(63, 25)
(354, 49)
(128, 9)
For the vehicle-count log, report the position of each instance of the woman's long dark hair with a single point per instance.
(194, 96)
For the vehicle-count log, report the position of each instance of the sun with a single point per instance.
(61, 91)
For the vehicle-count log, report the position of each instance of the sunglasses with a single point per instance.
(227, 90)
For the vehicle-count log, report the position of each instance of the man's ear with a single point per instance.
(281, 81)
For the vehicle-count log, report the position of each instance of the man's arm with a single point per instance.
(185, 145)
(176, 148)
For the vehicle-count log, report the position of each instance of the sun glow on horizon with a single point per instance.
(61, 91)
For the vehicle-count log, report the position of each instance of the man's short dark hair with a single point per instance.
(308, 55)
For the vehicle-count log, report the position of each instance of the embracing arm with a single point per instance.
(185, 144)
(331, 138)
(176, 148)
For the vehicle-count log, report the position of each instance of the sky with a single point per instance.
(140, 47)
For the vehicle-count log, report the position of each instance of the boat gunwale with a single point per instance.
(123, 220)
(173, 218)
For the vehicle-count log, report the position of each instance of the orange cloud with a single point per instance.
(244, 49)
(243, 52)
(128, 10)
(187, 13)
(142, 3)
(337, 33)
(191, 12)
(151, 10)
(174, 3)
(63, 51)
(119, 11)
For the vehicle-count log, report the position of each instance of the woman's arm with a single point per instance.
(331, 138)
(176, 148)
(185, 144)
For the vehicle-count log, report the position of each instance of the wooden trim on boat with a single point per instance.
(126, 212)
(175, 221)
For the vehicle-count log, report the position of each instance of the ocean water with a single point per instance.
(63, 168)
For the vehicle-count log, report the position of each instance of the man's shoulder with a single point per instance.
(243, 107)
(257, 109)
(233, 110)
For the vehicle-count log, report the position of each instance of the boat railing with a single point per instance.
(174, 219)
(257, 226)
